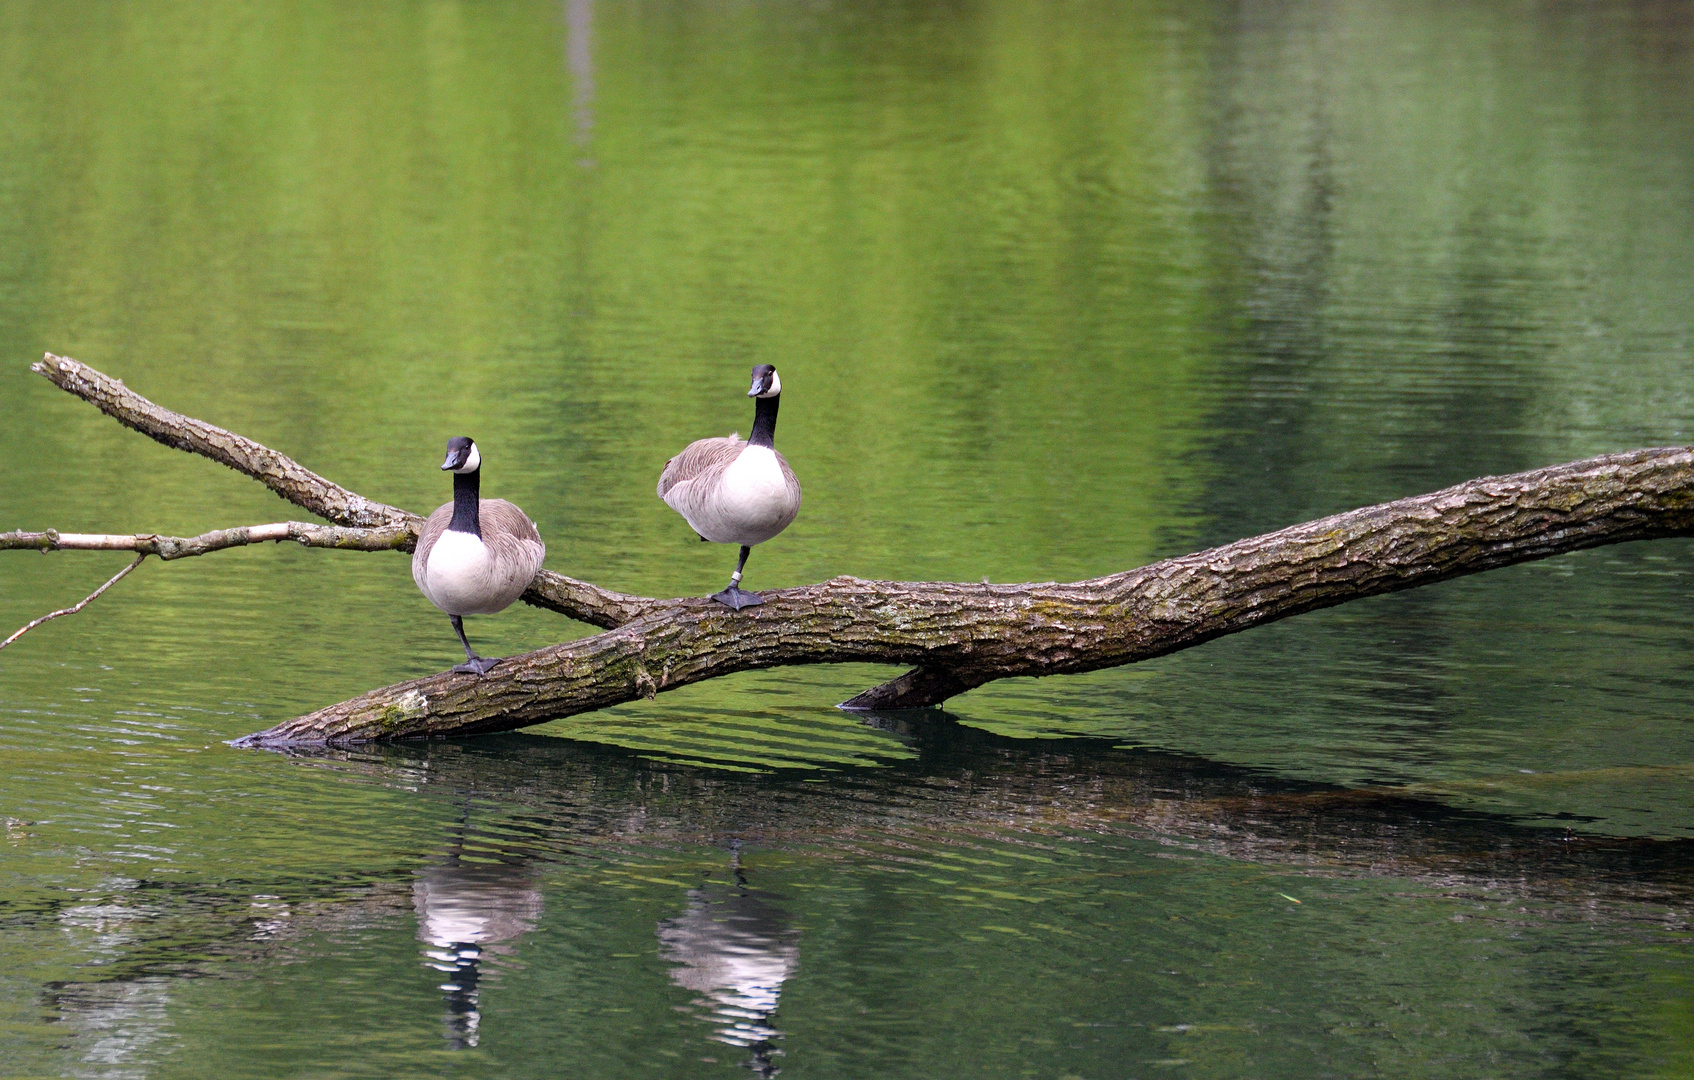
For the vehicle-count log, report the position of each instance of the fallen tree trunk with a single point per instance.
(961, 636)
(956, 636)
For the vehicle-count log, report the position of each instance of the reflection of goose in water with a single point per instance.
(464, 911)
(735, 948)
(111, 1027)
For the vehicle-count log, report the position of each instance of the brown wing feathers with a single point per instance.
(698, 459)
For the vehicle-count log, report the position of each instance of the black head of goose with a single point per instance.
(474, 556)
(735, 492)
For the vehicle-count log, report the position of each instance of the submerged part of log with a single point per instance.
(961, 636)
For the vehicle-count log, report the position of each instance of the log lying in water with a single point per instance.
(960, 636)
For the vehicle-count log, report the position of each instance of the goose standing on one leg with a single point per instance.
(474, 556)
(735, 492)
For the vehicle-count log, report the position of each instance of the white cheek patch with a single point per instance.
(472, 463)
(775, 387)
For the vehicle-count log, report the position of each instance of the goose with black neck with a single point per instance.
(475, 556)
(735, 492)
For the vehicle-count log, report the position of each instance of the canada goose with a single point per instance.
(474, 556)
(735, 492)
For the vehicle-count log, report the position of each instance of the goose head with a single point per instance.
(765, 382)
(462, 456)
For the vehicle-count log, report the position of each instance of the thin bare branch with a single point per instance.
(73, 609)
(590, 603)
(388, 538)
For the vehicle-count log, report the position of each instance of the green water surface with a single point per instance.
(1055, 289)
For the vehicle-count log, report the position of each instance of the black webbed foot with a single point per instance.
(737, 598)
(482, 665)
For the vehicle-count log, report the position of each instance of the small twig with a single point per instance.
(117, 577)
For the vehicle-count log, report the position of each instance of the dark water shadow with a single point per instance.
(963, 777)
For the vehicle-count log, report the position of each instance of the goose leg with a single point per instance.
(474, 664)
(735, 596)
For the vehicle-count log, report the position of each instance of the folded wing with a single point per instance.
(515, 544)
(697, 468)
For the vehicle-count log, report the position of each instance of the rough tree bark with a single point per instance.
(956, 636)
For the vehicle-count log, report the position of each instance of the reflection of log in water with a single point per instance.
(964, 783)
(465, 912)
(735, 948)
(468, 913)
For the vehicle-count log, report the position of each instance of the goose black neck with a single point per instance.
(467, 489)
(764, 422)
